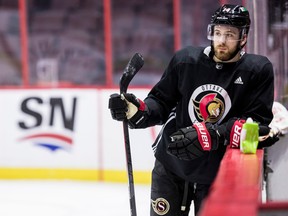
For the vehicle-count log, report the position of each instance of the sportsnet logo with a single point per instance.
(50, 141)
(41, 127)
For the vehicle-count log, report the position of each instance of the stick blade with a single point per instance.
(133, 66)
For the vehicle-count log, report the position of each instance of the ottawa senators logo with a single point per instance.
(160, 206)
(209, 108)
(209, 103)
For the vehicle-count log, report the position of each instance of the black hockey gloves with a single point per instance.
(232, 131)
(191, 142)
(118, 107)
(127, 106)
(267, 136)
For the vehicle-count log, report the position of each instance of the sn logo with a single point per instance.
(54, 105)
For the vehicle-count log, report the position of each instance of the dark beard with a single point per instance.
(228, 56)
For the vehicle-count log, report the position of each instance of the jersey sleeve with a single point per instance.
(164, 95)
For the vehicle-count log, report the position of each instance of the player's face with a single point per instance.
(225, 41)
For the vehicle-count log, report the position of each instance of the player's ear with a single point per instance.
(244, 40)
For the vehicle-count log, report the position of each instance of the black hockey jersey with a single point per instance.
(196, 88)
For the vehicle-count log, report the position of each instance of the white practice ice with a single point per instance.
(70, 198)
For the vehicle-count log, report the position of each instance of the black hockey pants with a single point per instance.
(172, 196)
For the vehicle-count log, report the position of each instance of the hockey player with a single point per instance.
(203, 98)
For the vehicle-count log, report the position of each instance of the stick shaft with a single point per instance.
(129, 169)
(129, 166)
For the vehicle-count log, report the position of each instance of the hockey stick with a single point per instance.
(133, 66)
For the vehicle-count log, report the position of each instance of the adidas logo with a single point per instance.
(238, 81)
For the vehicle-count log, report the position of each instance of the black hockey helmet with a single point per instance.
(234, 15)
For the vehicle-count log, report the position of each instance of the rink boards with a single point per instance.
(68, 133)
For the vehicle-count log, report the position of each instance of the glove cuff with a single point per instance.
(203, 135)
(236, 133)
(142, 105)
(138, 118)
